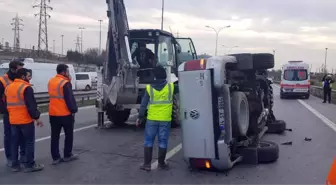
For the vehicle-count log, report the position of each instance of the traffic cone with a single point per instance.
(331, 179)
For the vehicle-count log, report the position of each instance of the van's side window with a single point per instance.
(82, 77)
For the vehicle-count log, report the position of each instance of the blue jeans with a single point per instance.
(25, 132)
(160, 128)
(8, 139)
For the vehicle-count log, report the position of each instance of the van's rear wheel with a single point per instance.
(240, 114)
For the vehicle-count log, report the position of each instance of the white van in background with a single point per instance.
(83, 81)
(42, 73)
(295, 80)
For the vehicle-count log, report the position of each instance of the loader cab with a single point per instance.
(152, 47)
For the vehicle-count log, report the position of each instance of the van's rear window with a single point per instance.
(295, 74)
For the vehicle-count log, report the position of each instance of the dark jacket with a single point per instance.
(3, 109)
(69, 98)
(157, 85)
(326, 82)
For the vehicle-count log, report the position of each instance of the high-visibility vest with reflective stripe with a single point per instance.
(17, 110)
(5, 82)
(160, 106)
(57, 105)
(331, 179)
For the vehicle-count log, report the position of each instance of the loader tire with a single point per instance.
(267, 152)
(176, 112)
(118, 117)
(240, 114)
(276, 127)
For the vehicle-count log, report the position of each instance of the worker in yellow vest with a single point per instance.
(158, 98)
(5, 80)
(23, 112)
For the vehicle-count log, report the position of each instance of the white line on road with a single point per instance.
(324, 119)
(170, 154)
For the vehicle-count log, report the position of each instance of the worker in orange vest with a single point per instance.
(23, 112)
(5, 80)
(62, 109)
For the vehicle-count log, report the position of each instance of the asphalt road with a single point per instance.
(114, 155)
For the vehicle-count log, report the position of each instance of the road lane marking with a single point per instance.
(324, 119)
(170, 154)
(75, 130)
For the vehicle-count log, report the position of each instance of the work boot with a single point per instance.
(34, 168)
(162, 157)
(71, 158)
(147, 159)
(16, 168)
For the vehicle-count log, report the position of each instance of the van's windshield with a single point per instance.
(295, 74)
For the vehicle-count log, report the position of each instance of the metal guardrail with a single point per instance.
(42, 98)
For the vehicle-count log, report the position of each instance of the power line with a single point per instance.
(17, 28)
(43, 26)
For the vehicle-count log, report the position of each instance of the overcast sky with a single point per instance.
(296, 29)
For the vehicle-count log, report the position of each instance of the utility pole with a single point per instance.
(177, 34)
(62, 36)
(42, 43)
(17, 28)
(217, 33)
(100, 23)
(325, 60)
(162, 14)
(81, 29)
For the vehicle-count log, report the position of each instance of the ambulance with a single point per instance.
(295, 80)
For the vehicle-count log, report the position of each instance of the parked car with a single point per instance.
(83, 81)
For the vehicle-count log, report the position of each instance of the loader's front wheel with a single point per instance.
(117, 117)
(176, 112)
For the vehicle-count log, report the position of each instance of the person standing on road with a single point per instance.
(327, 88)
(22, 111)
(5, 80)
(159, 99)
(62, 109)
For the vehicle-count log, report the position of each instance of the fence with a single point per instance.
(42, 98)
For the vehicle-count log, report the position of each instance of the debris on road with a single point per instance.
(287, 143)
(307, 139)
(289, 129)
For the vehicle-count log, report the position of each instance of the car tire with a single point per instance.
(240, 114)
(276, 127)
(175, 123)
(268, 152)
(263, 61)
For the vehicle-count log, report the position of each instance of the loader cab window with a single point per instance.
(166, 51)
(143, 53)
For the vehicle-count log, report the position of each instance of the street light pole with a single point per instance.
(325, 60)
(62, 43)
(162, 14)
(217, 34)
(100, 22)
(81, 28)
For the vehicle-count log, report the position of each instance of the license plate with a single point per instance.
(300, 90)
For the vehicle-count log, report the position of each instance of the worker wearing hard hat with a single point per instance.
(159, 100)
(327, 88)
(62, 109)
(23, 112)
(5, 80)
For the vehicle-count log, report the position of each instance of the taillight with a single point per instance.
(195, 65)
(200, 163)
